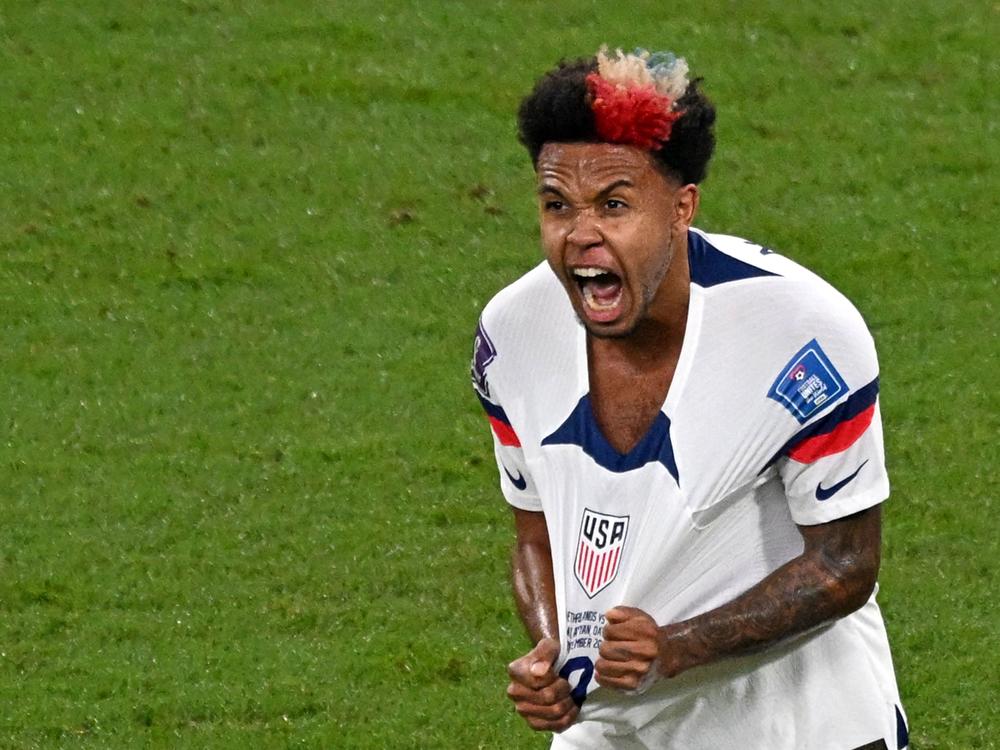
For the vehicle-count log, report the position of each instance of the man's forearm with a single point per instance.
(832, 578)
(534, 590)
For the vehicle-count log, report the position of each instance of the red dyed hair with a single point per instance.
(638, 115)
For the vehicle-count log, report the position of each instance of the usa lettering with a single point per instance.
(602, 532)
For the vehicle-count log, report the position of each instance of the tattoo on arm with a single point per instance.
(834, 575)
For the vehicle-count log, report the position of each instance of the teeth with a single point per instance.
(589, 273)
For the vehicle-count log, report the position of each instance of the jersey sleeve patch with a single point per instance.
(483, 354)
(808, 383)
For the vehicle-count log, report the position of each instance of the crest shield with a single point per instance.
(599, 550)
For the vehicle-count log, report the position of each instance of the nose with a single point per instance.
(585, 231)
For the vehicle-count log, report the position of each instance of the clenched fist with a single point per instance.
(629, 654)
(540, 695)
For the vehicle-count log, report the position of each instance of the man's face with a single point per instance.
(609, 222)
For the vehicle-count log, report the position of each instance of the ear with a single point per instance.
(686, 200)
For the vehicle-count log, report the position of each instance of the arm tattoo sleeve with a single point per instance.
(834, 575)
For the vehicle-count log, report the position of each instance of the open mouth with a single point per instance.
(601, 290)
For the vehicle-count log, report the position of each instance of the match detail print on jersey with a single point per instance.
(599, 550)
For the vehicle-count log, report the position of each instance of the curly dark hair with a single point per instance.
(558, 111)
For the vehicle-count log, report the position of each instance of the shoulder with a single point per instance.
(759, 280)
(528, 314)
(520, 330)
(521, 303)
(775, 312)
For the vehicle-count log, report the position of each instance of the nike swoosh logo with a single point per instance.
(520, 482)
(826, 494)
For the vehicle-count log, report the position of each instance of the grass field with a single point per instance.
(248, 497)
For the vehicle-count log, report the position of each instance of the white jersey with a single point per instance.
(771, 420)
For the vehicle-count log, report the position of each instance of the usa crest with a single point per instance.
(599, 550)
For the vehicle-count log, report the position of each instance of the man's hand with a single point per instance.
(629, 652)
(540, 695)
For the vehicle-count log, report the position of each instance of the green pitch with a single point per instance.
(248, 497)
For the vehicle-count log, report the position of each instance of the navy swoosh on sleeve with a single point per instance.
(825, 493)
(520, 482)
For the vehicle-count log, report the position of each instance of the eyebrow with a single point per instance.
(615, 185)
(543, 189)
(552, 190)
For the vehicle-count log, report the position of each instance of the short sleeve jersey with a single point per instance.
(771, 421)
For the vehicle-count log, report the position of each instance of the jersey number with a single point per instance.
(585, 666)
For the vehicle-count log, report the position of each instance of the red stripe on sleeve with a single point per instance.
(505, 433)
(839, 439)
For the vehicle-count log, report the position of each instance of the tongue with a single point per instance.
(604, 289)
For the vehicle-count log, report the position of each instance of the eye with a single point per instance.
(553, 205)
(615, 204)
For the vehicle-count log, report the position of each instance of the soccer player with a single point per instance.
(687, 428)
